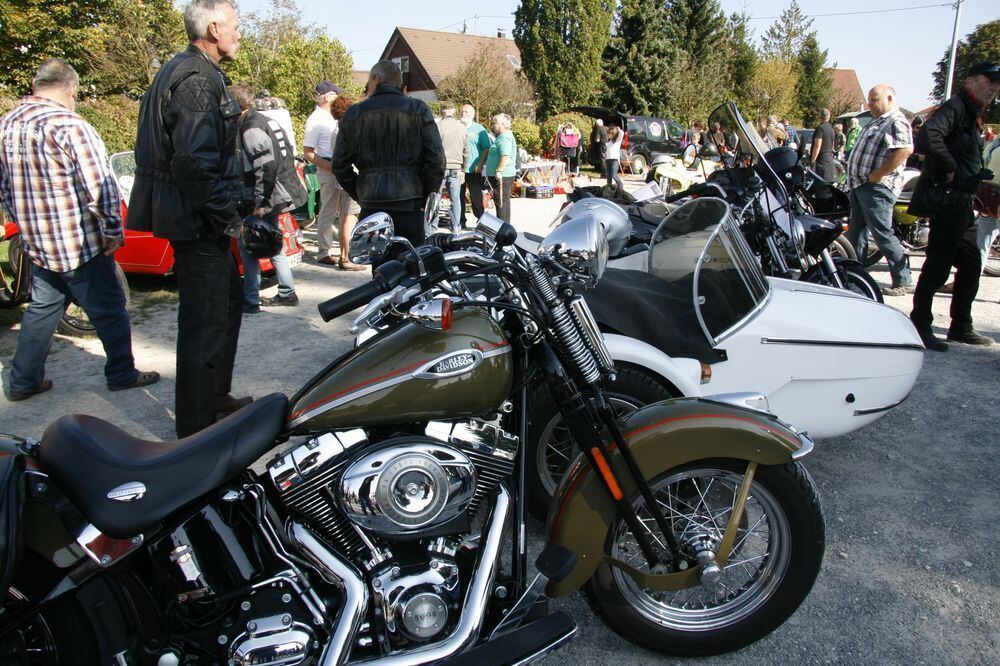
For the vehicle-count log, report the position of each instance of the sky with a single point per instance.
(898, 47)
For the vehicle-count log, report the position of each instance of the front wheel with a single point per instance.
(638, 163)
(841, 247)
(774, 562)
(859, 281)
(992, 266)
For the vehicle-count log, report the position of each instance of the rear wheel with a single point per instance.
(992, 266)
(776, 556)
(638, 163)
(550, 445)
(76, 322)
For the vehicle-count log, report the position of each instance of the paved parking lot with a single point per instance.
(911, 573)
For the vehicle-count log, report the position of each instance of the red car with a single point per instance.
(144, 253)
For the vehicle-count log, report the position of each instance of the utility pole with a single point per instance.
(954, 46)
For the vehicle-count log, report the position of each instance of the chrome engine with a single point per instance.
(401, 510)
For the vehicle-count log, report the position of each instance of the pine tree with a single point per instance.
(815, 88)
(742, 58)
(561, 42)
(638, 59)
(700, 73)
(784, 39)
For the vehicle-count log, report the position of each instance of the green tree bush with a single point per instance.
(548, 128)
(983, 43)
(638, 59)
(527, 135)
(815, 89)
(561, 44)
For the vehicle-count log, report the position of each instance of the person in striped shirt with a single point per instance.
(55, 182)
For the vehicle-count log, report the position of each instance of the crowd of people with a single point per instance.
(215, 162)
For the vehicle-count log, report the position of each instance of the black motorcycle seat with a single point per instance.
(91, 460)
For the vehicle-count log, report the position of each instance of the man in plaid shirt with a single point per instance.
(56, 184)
(875, 178)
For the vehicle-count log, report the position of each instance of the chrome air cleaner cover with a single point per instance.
(410, 485)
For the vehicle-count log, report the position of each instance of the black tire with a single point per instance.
(787, 575)
(75, 321)
(16, 272)
(874, 254)
(638, 164)
(841, 247)
(633, 388)
(860, 282)
(992, 266)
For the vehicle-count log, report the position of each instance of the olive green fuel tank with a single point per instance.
(409, 375)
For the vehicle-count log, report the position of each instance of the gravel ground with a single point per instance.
(910, 501)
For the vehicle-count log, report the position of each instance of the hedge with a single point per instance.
(526, 133)
(115, 118)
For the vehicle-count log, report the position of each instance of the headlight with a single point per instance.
(580, 245)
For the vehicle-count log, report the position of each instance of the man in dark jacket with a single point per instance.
(395, 145)
(189, 189)
(953, 167)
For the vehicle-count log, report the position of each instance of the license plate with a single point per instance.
(295, 259)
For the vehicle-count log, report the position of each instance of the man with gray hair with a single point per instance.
(456, 149)
(875, 179)
(189, 190)
(56, 184)
(394, 143)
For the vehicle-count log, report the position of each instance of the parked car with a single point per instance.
(144, 253)
(645, 137)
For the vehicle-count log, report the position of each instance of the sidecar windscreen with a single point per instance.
(699, 247)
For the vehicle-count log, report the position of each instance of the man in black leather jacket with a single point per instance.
(953, 167)
(189, 189)
(394, 142)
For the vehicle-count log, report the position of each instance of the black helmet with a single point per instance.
(708, 150)
(261, 238)
(785, 162)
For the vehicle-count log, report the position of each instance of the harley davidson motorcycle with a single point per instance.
(389, 525)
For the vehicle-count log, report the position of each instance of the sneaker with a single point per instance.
(970, 337)
(280, 300)
(931, 341)
(251, 309)
(901, 290)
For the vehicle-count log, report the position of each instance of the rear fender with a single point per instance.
(662, 436)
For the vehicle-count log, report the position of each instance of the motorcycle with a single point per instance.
(913, 231)
(377, 534)
(15, 281)
(852, 360)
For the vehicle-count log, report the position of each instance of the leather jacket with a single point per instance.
(189, 179)
(949, 141)
(394, 142)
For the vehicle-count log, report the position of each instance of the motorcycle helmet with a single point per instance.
(261, 238)
(709, 151)
(614, 220)
(785, 162)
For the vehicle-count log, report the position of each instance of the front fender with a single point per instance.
(662, 436)
(683, 373)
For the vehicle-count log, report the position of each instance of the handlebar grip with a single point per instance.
(350, 300)
(694, 189)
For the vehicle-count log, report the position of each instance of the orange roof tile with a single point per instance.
(847, 88)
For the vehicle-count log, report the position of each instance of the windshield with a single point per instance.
(744, 143)
(698, 248)
(123, 167)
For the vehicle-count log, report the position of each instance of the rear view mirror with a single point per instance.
(690, 156)
(371, 239)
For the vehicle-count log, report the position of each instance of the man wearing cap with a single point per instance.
(953, 168)
(318, 149)
(395, 145)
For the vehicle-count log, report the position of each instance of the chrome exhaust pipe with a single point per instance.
(341, 572)
(474, 608)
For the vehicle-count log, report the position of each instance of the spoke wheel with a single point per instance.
(776, 556)
(550, 442)
(76, 322)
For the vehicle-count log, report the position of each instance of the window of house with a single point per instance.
(514, 61)
(403, 62)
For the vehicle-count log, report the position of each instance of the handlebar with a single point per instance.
(349, 300)
(697, 188)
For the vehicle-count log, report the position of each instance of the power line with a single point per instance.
(869, 11)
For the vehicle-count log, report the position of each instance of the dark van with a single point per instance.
(645, 137)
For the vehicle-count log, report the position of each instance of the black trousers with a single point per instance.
(474, 186)
(208, 328)
(952, 242)
(501, 195)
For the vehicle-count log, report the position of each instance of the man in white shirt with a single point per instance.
(277, 110)
(317, 146)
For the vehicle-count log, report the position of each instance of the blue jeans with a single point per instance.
(94, 286)
(453, 181)
(871, 210)
(251, 272)
(611, 169)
